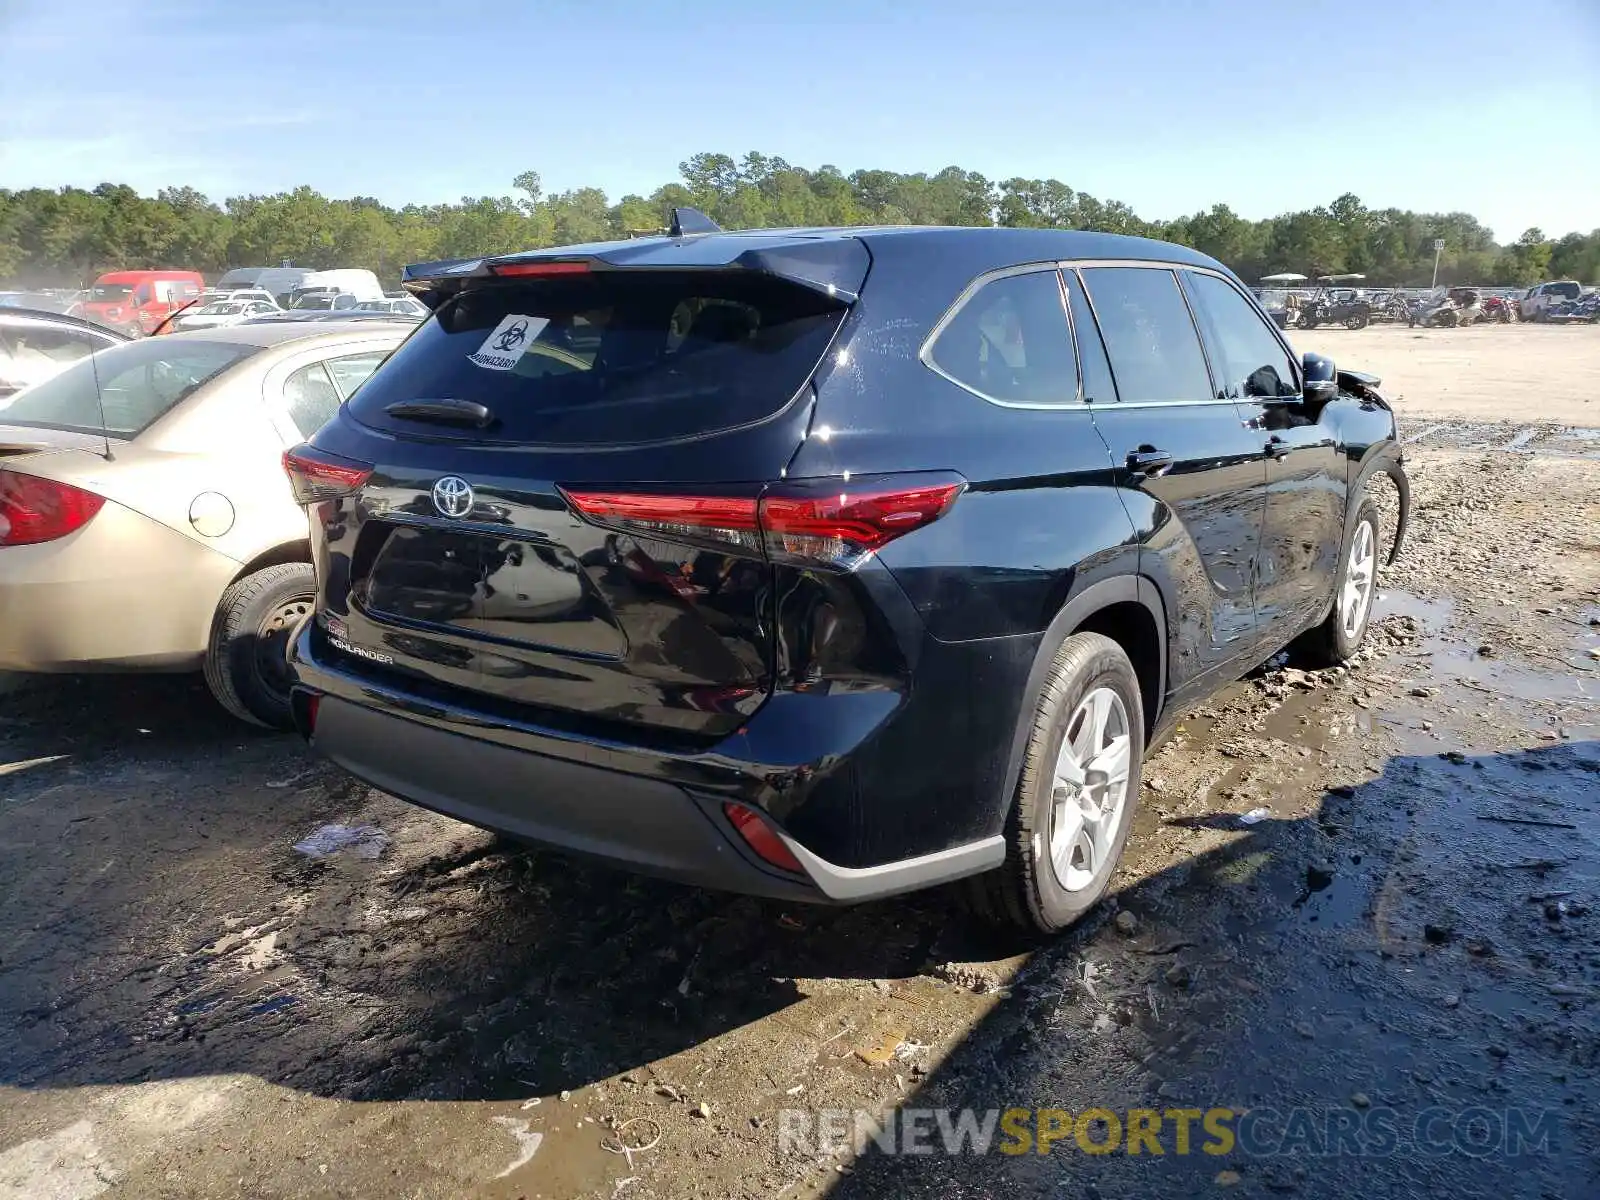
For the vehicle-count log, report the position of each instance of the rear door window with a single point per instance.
(1010, 342)
(311, 398)
(1248, 359)
(350, 371)
(613, 358)
(1154, 348)
(1098, 385)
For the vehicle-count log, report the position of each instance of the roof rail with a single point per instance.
(691, 220)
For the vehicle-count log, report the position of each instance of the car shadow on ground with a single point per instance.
(1417, 953)
(155, 923)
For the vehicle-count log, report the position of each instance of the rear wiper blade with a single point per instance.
(448, 411)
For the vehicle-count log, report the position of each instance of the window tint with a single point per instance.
(351, 370)
(1098, 386)
(1148, 333)
(1248, 359)
(1010, 342)
(137, 383)
(311, 398)
(613, 358)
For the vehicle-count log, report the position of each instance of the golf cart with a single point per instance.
(1276, 296)
(1337, 302)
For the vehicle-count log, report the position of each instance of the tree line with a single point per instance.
(68, 236)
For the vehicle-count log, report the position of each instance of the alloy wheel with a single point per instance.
(1355, 596)
(1089, 790)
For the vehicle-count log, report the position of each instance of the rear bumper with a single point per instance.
(656, 815)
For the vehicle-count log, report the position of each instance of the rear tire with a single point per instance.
(1065, 837)
(1356, 320)
(1337, 639)
(246, 668)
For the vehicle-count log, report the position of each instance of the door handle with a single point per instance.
(1277, 447)
(1147, 460)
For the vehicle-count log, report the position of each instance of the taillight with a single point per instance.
(34, 510)
(761, 837)
(846, 525)
(828, 522)
(537, 269)
(317, 475)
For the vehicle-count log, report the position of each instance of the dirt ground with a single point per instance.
(1357, 892)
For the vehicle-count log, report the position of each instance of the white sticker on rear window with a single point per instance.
(509, 341)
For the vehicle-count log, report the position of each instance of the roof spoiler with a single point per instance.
(836, 266)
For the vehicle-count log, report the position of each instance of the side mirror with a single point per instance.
(1320, 376)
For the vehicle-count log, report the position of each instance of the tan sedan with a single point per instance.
(145, 520)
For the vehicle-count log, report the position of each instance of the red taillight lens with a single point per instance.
(34, 510)
(536, 269)
(724, 522)
(850, 524)
(317, 475)
(827, 523)
(761, 838)
(313, 702)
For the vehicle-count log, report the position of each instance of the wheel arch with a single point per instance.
(1129, 610)
(298, 551)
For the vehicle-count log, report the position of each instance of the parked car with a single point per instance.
(403, 306)
(342, 315)
(278, 282)
(37, 345)
(135, 302)
(1538, 300)
(165, 538)
(323, 298)
(50, 302)
(361, 284)
(219, 314)
(796, 562)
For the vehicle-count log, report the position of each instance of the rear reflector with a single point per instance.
(317, 475)
(761, 838)
(34, 510)
(535, 269)
(822, 523)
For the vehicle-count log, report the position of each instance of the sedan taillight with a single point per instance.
(34, 510)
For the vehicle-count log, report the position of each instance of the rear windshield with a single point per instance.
(614, 358)
(134, 384)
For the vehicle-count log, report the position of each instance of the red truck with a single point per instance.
(135, 302)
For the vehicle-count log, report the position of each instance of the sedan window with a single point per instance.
(351, 370)
(311, 398)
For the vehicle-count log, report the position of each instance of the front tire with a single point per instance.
(1338, 638)
(246, 665)
(1357, 320)
(1077, 793)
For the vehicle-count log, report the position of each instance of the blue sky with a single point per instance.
(1169, 105)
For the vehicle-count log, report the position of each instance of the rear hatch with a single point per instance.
(486, 552)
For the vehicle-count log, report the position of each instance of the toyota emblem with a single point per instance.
(452, 496)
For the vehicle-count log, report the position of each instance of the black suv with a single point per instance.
(825, 564)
